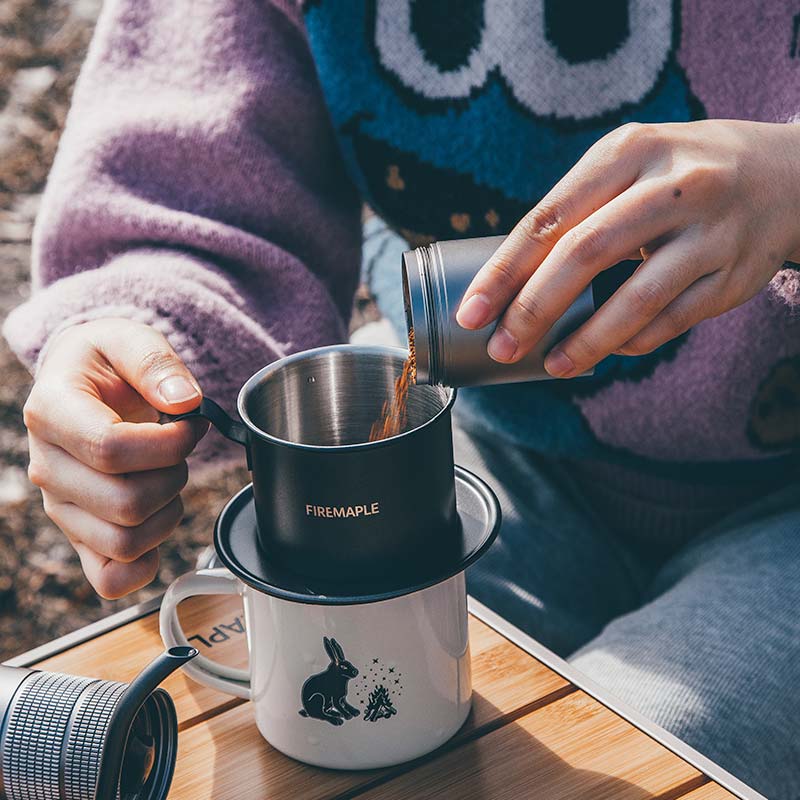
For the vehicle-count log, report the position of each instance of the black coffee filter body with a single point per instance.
(64, 737)
(330, 502)
(435, 279)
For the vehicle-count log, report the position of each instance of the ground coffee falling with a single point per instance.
(394, 414)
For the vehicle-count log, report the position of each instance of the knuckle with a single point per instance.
(639, 345)
(542, 225)
(628, 132)
(38, 473)
(105, 452)
(586, 244)
(502, 272)
(583, 350)
(630, 135)
(107, 587)
(157, 360)
(703, 178)
(32, 411)
(525, 312)
(125, 545)
(132, 509)
(650, 297)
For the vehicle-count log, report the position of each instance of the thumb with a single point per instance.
(145, 359)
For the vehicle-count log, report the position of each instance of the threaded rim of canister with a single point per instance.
(158, 711)
(85, 737)
(435, 308)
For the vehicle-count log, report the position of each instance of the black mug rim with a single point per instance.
(373, 349)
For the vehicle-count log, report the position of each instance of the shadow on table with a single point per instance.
(512, 761)
(503, 764)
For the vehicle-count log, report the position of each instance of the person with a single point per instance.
(203, 218)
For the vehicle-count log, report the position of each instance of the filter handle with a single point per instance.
(124, 714)
(218, 417)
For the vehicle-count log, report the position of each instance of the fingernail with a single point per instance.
(177, 389)
(502, 345)
(474, 313)
(558, 364)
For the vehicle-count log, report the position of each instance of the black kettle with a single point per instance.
(70, 738)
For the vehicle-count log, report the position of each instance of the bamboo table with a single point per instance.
(537, 729)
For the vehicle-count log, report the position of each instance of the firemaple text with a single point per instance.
(332, 512)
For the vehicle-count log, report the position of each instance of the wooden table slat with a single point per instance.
(711, 791)
(573, 748)
(599, 756)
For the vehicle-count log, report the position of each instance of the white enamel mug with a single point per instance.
(343, 686)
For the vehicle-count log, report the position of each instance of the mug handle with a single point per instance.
(203, 670)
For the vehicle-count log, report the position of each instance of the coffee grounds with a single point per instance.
(394, 414)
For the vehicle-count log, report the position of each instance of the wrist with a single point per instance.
(54, 341)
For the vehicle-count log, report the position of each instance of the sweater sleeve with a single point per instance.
(198, 188)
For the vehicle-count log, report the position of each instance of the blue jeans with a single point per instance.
(707, 645)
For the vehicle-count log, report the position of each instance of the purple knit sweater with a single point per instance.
(200, 188)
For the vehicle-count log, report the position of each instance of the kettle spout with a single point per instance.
(119, 726)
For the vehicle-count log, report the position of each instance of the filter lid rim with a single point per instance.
(236, 543)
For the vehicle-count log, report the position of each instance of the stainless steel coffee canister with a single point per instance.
(435, 279)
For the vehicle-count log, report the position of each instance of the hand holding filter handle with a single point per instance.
(218, 417)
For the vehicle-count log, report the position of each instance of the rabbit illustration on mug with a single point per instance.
(324, 695)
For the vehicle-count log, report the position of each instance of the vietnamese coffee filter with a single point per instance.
(330, 503)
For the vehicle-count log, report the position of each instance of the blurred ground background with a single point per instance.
(43, 593)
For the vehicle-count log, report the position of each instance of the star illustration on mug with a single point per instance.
(373, 690)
